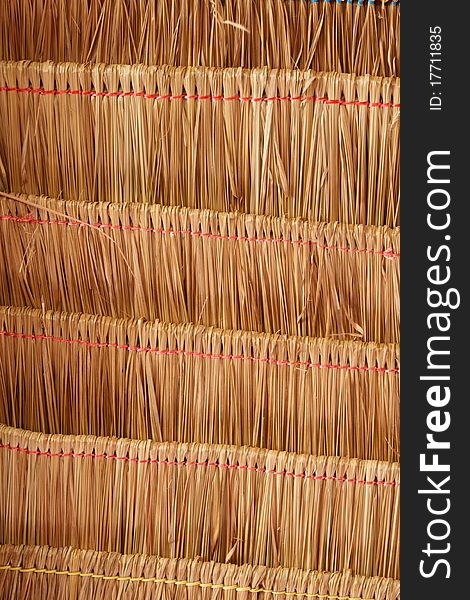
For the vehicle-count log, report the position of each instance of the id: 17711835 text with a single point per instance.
(435, 67)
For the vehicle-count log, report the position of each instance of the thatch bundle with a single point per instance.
(191, 383)
(360, 36)
(224, 503)
(234, 271)
(42, 571)
(305, 144)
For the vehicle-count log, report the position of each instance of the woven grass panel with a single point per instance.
(355, 37)
(234, 271)
(320, 146)
(58, 573)
(199, 307)
(223, 503)
(190, 383)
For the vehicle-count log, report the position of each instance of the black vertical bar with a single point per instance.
(423, 131)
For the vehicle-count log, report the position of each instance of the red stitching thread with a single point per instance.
(272, 361)
(187, 463)
(172, 232)
(198, 97)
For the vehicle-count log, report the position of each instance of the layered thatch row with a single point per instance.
(85, 374)
(228, 270)
(321, 146)
(356, 37)
(222, 503)
(61, 573)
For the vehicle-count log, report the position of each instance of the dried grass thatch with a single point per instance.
(233, 271)
(320, 146)
(236, 177)
(61, 573)
(306, 34)
(83, 374)
(222, 503)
